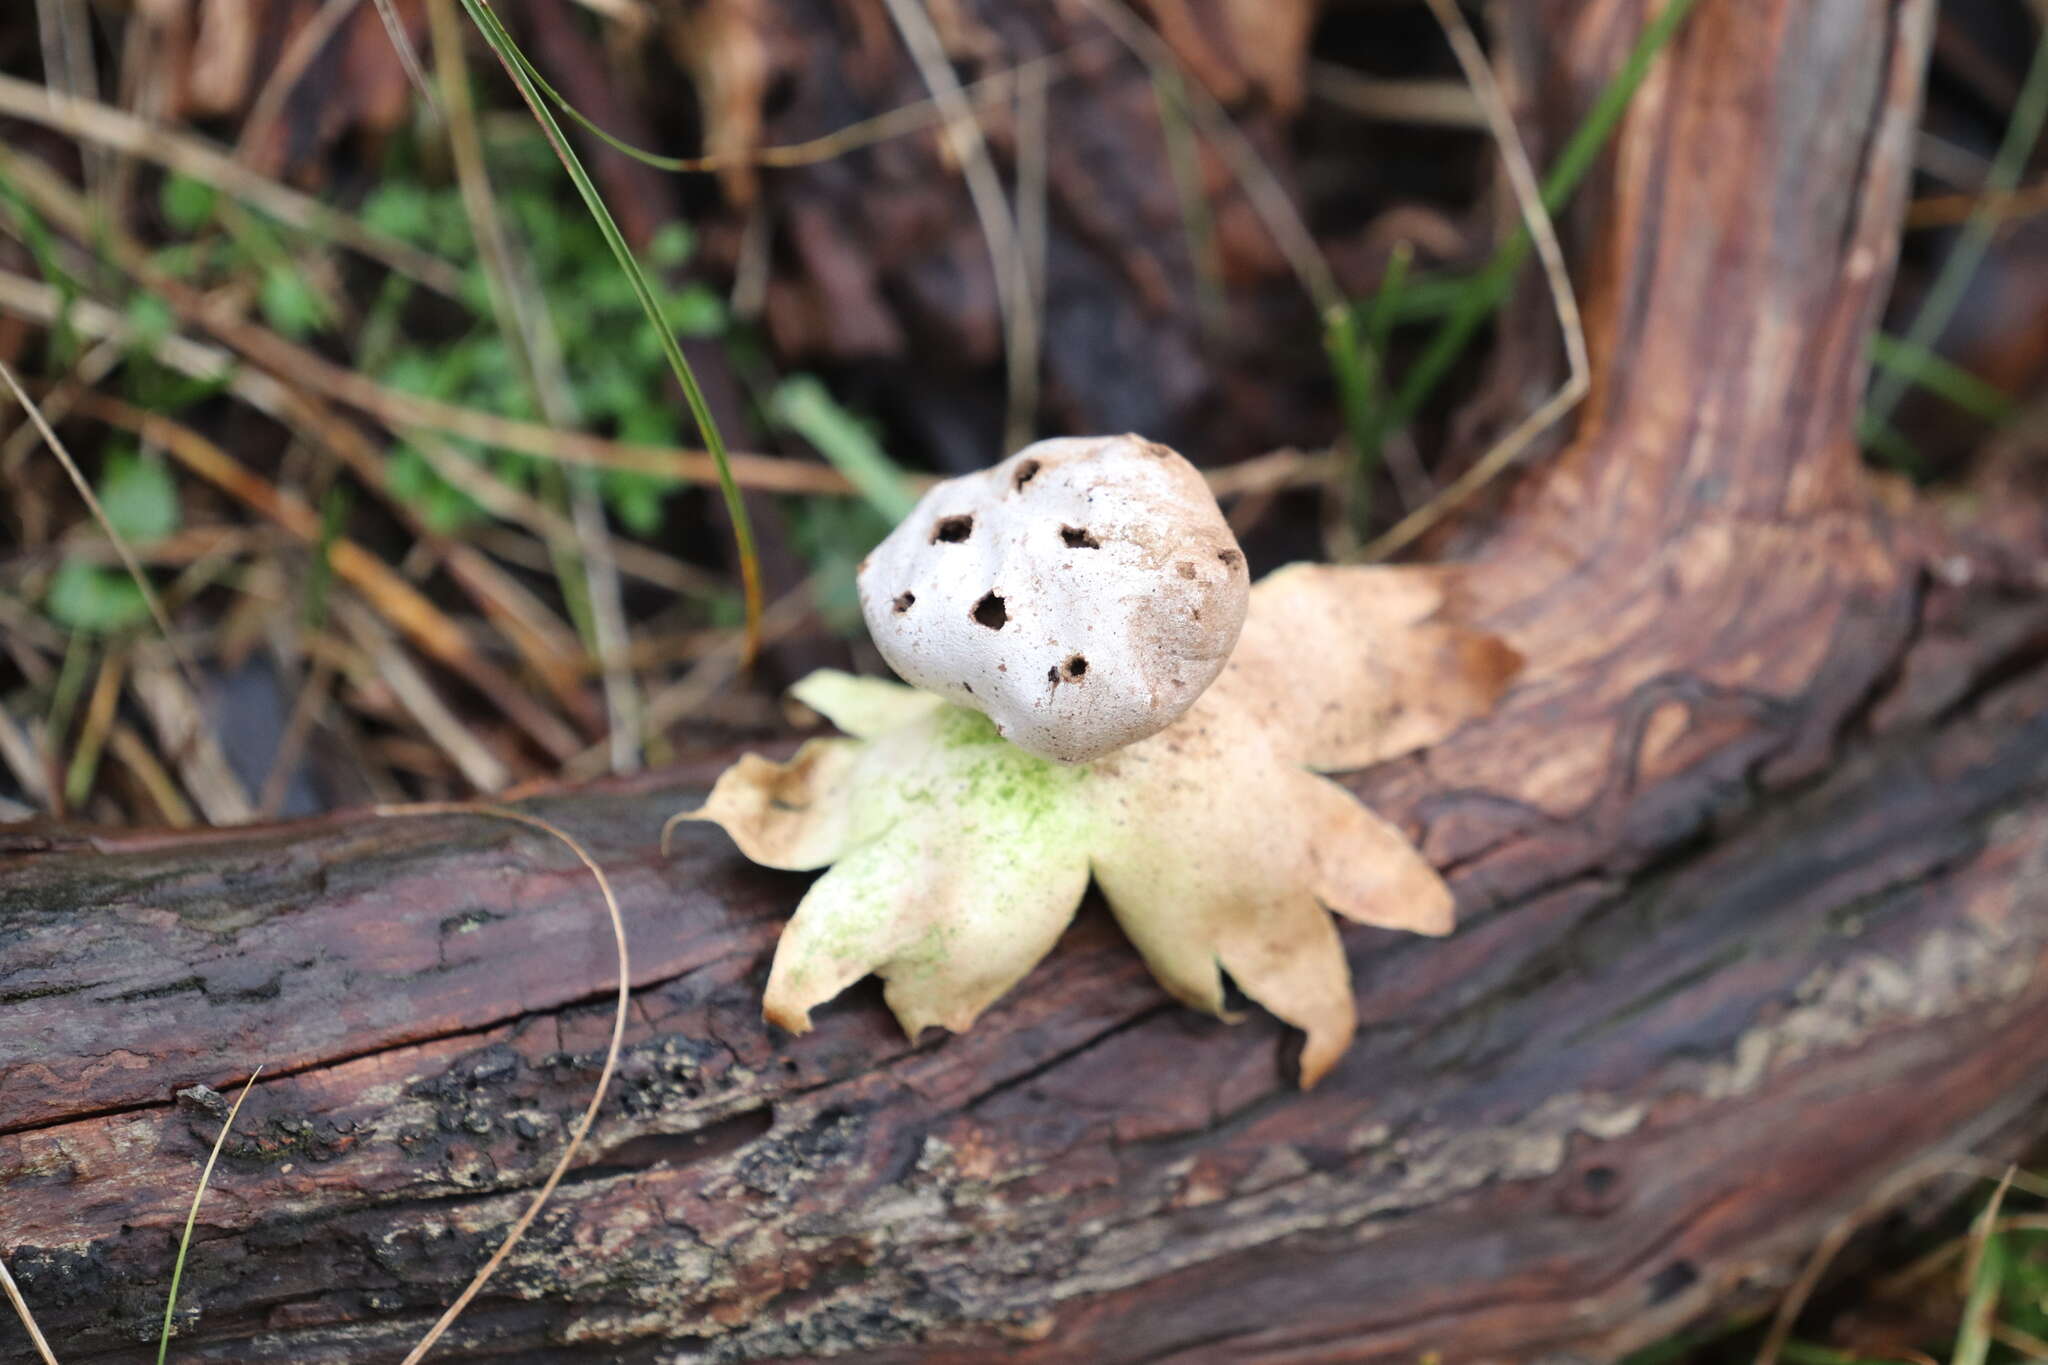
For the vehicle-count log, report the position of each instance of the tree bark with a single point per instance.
(1752, 867)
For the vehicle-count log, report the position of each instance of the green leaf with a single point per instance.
(670, 247)
(807, 407)
(139, 497)
(694, 312)
(187, 203)
(401, 209)
(289, 303)
(87, 597)
(636, 499)
(150, 320)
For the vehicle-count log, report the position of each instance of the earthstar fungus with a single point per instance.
(1081, 594)
(957, 856)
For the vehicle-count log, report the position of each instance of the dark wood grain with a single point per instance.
(1753, 872)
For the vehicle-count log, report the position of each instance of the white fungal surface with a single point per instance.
(1081, 594)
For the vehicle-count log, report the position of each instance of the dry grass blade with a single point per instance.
(1013, 286)
(1429, 103)
(520, 70)
(111, 127)
(99, 514)
(298, 54)
(908, 118)
(408, 55)
(529, 331)
(95, 365)
(1269, 198)
(480, 768)
(1980, 1283)
(2026, 1343)
(189, 742)
(704, 678)
(1529, 196)
(396, 599)
(142, 763)
(163, 1344)
(611, 1058)
(28, 1320)
(39, 302)
(18, 754)
(1887, 1194)
(92, 735)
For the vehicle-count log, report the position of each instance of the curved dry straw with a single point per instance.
(604, 1078)
(1536, 216)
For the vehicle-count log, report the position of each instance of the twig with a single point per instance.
(1013, 290)
(611, 1058)
(1529, 195)
(192, 156)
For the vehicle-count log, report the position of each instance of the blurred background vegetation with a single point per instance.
(321, 320)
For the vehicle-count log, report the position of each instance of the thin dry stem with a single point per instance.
(188, 155)
(483, 770)
(295, 365)
(524, 321)
(298, 54)
(408, 55)
(28, 1320)
(1013, 290)
(611, 1057)
(394, 597)
(99, 514)
(1529, 195)
(1425, 103)
(705, 677)
(1268, 197)
(1887, 1195)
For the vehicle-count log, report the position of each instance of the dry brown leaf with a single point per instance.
(956, 859)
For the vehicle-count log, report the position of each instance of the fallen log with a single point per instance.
(1752, 869)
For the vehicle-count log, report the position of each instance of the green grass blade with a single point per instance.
(516, 67)
(1944, 379)
(802, 403)
(163, 1341)
(591, 126)
(1945, 295)
(1485, 293)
